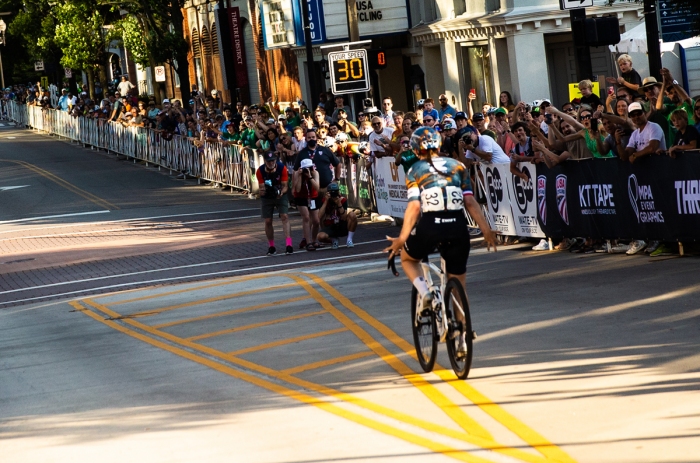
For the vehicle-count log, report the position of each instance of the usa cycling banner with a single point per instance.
(656, 198)
(511, 201)
(390, 188)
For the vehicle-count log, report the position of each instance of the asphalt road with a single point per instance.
(590, 358)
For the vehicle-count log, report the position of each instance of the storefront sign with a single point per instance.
(375, 17)
(237, 47)
(277, 23)
(317, 22)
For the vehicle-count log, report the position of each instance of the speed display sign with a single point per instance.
(349, 71)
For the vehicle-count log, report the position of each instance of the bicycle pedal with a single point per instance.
(473, 335)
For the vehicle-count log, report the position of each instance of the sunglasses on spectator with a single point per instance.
(360, 115)
(405, 143)
(636, 113)
(570, 110)
(650, 89)
(376, 123)
(585, 117)
(427, 119)
(697, 108)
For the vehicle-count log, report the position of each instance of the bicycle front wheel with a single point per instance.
(424, 333)
(458, 327)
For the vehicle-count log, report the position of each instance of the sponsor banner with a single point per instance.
(523, 202)
(390, 188)
(496, 178)
(656, 198)
(356, 182)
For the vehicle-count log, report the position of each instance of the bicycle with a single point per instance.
(439, 323)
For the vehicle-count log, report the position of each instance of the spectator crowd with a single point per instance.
(303, 146)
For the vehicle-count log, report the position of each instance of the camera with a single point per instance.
(305, 171)
(548, 118)
(363, 147)
(367, 102)
(334, 194)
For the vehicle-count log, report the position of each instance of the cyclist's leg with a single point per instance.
(415, 249)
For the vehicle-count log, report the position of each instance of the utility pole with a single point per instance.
(353, 26)
(310, 69)
(651, 21)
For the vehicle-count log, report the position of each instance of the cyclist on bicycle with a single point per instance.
(439, 189)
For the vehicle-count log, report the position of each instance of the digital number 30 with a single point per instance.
(350, 69)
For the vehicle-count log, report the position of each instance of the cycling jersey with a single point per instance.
(438, 192)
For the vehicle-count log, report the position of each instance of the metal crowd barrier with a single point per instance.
(228, 165)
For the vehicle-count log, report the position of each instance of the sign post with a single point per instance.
(677, 23)
(349, 71)
(577, 17)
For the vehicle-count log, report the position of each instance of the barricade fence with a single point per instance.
(229, 165)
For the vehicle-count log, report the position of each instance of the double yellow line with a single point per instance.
(68, 186)
(473, 433)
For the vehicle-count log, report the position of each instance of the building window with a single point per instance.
(206, 41)
(196, 47)
(214, 40)
(477, 69)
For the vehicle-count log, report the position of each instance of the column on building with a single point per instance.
(451, 55)
(528, 64)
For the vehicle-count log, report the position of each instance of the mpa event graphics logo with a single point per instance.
(542, 198)
(495, 188)
(561, 198)
(642, 200)
(524, 190)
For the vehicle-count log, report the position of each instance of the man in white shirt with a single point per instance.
(125, 86)
(380, 137)
(645, 140)
(480, 148)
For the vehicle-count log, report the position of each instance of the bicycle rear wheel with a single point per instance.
(424, 333)
(456, 299)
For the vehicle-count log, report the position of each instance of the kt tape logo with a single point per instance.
(542, 198)
(561, 198)
(495, 187)
(523, 190)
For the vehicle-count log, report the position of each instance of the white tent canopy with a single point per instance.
(632, 41)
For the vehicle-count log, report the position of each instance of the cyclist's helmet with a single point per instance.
(469, 133)
(425, 138)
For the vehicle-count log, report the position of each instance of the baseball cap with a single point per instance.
(269, 156)
(460, 115)
(166, 101)
(306, 163)
(635, 107)
(330, 141)
(448, 124)
(500, 111)
(478, 117)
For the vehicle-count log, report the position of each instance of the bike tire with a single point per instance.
(424, 335)
(454, 294)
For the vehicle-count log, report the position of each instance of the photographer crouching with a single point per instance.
(305, 186)
(337, 221)
(273, 184)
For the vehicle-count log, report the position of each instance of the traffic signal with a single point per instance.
(377, 58)
(595, 32)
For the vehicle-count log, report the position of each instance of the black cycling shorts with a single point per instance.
(445, 231)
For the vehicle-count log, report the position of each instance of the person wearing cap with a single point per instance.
(340, 104)
(346, 125)
(449, 128)
(479, 122)
(273, 180)
(327, 164)
(305, 185)
(445, 109)
(647, 138)
(655, 98)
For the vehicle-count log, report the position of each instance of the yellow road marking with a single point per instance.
(520, 429)
(325, 363)
(254, 325)
(283, 342)
(435, 447)
(457, 415)
(213, 299)
(227, 281)
(232, 312)
(68, 186)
